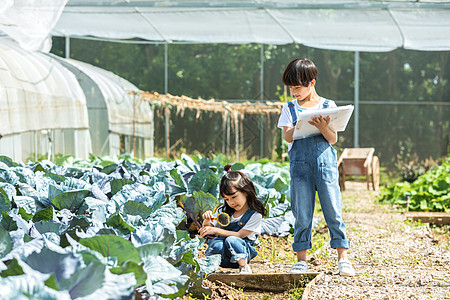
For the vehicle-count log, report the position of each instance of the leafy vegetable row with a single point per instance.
(429, 192)
(108, 227)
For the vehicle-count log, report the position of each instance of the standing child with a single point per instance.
(235, 241)
(313, 167)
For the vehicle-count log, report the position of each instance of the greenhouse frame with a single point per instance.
(370, 26)
(54, 106)
(358, 26)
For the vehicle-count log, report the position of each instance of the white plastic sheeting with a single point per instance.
(29, 22)
(127, 114)
(37, 94)
(44, 109)
(114, 111)
(341, 25)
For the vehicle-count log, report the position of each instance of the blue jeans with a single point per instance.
(231, 249)
(313, 167)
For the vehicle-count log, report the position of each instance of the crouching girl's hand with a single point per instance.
(208, 216)
(207, 230)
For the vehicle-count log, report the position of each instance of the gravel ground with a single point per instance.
(393, 259)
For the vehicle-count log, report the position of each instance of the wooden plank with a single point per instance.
(438, 218)
(273, 282)
(308, 287)
(358, 152)
(354, 166)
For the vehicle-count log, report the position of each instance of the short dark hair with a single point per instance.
(237, 181)
(300, 71)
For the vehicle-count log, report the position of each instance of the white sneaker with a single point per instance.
(345, 267)
(245, 269)
(299, 267)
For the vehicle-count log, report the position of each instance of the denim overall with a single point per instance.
(233, 248)
(313, 167)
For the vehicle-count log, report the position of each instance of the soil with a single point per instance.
(393, 258)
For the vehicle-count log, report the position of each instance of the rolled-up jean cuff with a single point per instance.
(340, 244)
(238, 256)
(301, 246)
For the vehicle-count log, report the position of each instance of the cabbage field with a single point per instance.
(111, 228)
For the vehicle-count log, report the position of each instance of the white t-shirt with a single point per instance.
(253, 224)
(286, 117)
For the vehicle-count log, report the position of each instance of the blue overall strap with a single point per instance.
(245, 218)
(293, 113)
(325, 104)
(237, 225)
(247, 215)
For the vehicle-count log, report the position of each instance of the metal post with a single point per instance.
(236, 129)
(261, 124)
(35, 146)
(241, 126)
(166, 90)
(134, 125)
(224, 134)
(228, 134)
(67, 47)
(166, 68)
(167, 129)
(261, 134)
(356, 87)
(261, 89)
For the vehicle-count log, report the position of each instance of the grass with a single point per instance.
(296, 292)
(279, 249)
(276, 249)
(442, 236)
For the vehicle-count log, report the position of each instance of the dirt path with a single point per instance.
(394, 259)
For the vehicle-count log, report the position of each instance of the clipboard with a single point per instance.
(339, 117)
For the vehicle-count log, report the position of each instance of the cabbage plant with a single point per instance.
(111, 226)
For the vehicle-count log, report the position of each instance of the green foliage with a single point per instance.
(429, 192)
(104, 226)
(410, 167)
(111, 245)
(13, 269)
(5, 241)
(197, 204)
(135, 208)
(5, 204)
(70, 200)
(224, 71)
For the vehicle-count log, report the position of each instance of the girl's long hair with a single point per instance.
(237, 181)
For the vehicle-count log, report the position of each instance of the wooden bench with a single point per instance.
(359, 162)
(438, 218)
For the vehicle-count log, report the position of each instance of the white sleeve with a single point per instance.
(254, 223)
(285, 117)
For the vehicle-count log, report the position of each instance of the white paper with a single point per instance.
(339, 117)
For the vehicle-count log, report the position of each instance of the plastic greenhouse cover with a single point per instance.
(340, 25)
(29, 22)
(348, 25)
(125, 111)
(36, 93)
